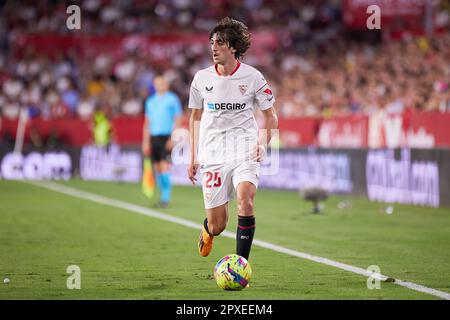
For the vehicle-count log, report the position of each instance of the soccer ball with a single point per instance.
(232, 272)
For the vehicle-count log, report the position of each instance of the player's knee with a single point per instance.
(245, 206)
(215, 229)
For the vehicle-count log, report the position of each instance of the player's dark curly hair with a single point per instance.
(234, 33)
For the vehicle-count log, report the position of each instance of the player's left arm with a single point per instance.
(271, 124)
(178, 122)
(265, 101)
(178, 119)
(178, 113)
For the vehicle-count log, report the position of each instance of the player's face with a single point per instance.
(220, 50)
(160, 84)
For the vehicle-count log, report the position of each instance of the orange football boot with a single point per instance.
(205, 243)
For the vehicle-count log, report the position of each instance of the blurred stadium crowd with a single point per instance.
(317, 69)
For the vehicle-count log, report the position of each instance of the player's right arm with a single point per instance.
(194, 128)
(196, 106)
(146, 145)
(146, 137)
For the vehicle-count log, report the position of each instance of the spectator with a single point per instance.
(322, 71)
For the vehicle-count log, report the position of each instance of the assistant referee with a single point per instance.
(163, 113)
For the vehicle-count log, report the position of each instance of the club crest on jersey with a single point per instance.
(243, 88)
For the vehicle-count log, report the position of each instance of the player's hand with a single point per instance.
(259, 153)
(146, 150)
(169, 144)
(192, 171)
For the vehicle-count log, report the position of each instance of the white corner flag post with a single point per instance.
(20, 134)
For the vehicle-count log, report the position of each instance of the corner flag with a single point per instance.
(148, 179)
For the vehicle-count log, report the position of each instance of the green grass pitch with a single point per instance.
(125, 255)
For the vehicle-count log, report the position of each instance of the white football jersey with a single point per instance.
(228, 129)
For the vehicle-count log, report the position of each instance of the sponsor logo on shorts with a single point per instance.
(208, 196)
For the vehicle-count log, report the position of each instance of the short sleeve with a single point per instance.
(147, 107)
(195, 96)
(263, 93)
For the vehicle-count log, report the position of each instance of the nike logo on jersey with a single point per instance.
(208, 89)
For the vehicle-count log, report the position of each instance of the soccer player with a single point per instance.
(162, 115)
(224, 137)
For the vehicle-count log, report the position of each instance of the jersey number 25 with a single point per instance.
(213, 179)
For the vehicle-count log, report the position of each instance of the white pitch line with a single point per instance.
(155, 214)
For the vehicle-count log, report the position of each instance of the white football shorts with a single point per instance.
(219, 182)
